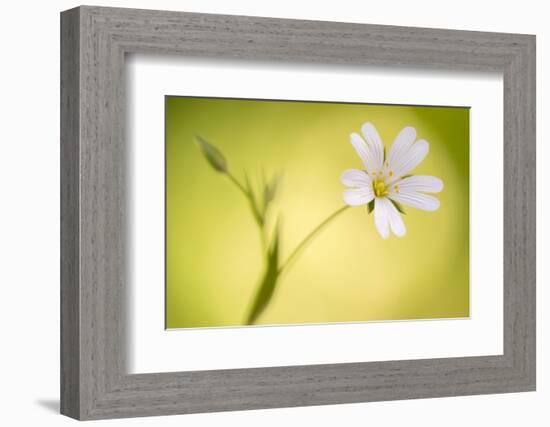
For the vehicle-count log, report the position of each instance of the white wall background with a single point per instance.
(29, 213)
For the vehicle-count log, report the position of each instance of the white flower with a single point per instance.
(385, 180)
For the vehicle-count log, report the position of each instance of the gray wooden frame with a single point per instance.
(94, 382)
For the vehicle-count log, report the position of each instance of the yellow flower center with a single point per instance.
(379, 187)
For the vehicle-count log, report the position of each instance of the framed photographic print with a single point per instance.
(262, 213)
(296, 154)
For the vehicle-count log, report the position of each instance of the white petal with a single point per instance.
(376, 146)
(363, 151)
(358, 196)
(396, 221)
(416, 200)
(406, 161)
(393, 217)
(356, 178)
(401, 145)
(381, 220)
(419, 183)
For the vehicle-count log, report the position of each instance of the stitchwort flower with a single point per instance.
(385, 182)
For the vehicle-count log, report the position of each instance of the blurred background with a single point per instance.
(348, 273)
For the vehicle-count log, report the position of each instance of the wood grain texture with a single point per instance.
(94, 381)
(70, 221)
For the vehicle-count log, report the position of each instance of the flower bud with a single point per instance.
(212, 155)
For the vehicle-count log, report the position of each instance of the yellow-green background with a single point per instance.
(349, 273)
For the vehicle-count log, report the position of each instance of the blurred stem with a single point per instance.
(238, 184)
(309, 237)
(252, 202)
(269, 282)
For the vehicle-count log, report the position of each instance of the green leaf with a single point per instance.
(270, 189)
(370, 206)
(269, 280)
(398, 206)
(258, 216)
(248, 184)
(212, 155)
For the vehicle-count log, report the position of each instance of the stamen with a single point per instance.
(379, 187)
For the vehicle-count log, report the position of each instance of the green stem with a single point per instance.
(238, 184)
(309, 237)
(253, 206)
(248, 194)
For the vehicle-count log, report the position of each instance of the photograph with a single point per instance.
(293, 212)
